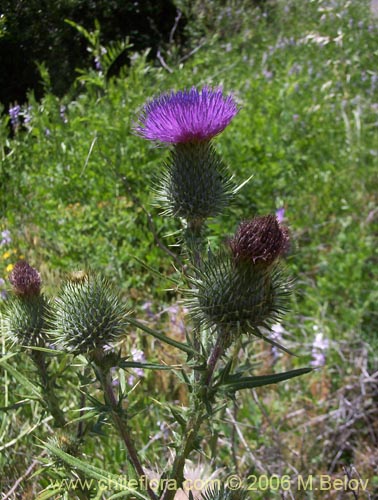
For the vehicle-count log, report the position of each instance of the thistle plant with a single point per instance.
(238, 290)
(25, 326)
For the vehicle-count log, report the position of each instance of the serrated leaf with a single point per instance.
(261, 380)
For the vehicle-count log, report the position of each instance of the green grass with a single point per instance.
(306, 80)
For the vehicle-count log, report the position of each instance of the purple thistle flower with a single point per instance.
(319, 348)
(185, 116)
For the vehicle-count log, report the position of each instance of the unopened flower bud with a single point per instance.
(26, 311)
(87, 314)
(25, 280)
(261, 240)
(240, 291)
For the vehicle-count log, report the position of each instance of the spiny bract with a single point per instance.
(237, 298)
(24, 321)
(195, 184)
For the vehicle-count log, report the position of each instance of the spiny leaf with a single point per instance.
(261, 380)
(94, 472)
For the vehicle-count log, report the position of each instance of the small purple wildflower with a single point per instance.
(139, 357)
(62, 112)
(27, 115)
(267, 74)
(5, 237)
(276, 334)
(319, 347)
(186, 116)
(14, 114)
(280, 214)
(97, 63)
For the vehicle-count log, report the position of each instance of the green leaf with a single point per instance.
(94, 472)
(15, 405)
(258, 381)
(25, 382)
(155, 271)
(48, 493)
(161, 336)
(7, 356)
(144, 366)
(178, 417)
(44, 349)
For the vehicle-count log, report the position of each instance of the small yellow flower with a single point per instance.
(9, 268)
(6, 255)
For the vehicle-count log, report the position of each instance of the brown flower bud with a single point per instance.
(26, 280)
(261, 240)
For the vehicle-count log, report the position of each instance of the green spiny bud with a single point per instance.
(27, 309)
(240, 299)
(87, 314)
(242, 289)
(67, 442)
(196, 183)
(25, 320)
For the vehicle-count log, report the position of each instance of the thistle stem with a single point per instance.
(105, 379)
(215, 354)
(196, 419)
(194, 240)
(50, 397)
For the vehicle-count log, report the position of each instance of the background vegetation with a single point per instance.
(75, 185)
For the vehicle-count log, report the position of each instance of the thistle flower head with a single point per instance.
(237, 299)
(186, 116)
(87, 314)
(26, 311)
(261, 240)
(25, 280)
